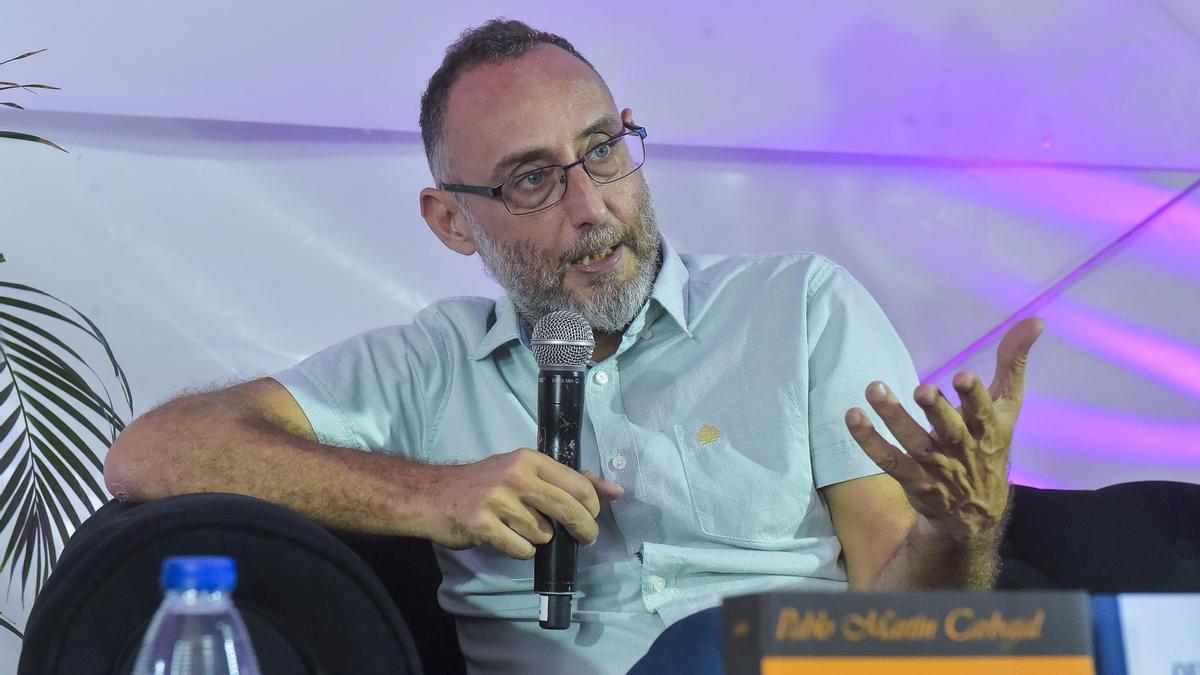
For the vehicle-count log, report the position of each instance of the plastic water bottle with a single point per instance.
(197, 630)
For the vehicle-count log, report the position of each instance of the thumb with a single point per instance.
(1011, 356)
(606, 490)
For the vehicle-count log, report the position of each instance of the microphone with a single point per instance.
(562, 346)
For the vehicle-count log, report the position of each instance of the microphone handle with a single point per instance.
(560, 412)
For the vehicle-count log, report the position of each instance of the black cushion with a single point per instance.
(1126, 538)
(310, 604)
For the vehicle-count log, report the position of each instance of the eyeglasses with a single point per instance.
(531, 191)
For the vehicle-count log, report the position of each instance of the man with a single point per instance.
(719, 454)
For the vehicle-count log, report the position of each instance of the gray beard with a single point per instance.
(535, 286)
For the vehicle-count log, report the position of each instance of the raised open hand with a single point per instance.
(955, 475)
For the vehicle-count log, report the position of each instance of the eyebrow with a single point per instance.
(603, 124)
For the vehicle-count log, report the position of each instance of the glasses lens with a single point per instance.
(615, 159)
(534, 190)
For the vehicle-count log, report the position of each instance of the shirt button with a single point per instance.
(658, 584)
(618, 462)
(647, 334)
(600, 377)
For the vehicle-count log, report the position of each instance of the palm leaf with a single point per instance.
(10, 626)
(23, 56)
(28, 87)
(31, 88)
(57, 416)
(26, 137)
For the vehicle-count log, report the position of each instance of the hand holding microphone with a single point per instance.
(562, 346)
(510, 500)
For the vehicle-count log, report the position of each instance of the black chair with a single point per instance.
(1125, 538)
(311, 604)
(89, 618)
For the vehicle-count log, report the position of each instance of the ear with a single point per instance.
(444, 217)
(627, 116)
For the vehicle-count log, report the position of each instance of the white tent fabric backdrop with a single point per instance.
(241, 185)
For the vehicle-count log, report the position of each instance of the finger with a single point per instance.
(888, 457)
(506, 540)
(571, 481)
(560, 506)
(1011, 356)
(912, 436)
(530, 525)
(977, 410)
(951, 431)
(605, 489)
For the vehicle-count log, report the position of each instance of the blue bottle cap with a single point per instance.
(202, 573)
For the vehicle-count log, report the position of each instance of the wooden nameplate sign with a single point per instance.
(920, 632)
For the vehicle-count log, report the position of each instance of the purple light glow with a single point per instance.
(1073, 197)
(1019, 476)
(1160, 357)
(1057, 288)
(1080, 200)
(1110, 435)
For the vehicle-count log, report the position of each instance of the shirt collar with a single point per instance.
(669, 293)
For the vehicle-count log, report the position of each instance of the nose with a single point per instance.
(583, 201)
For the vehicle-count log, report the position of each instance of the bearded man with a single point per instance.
(723, 451)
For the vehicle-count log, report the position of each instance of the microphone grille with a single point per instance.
(562, 339)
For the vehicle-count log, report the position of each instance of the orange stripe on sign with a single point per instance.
(928, 665)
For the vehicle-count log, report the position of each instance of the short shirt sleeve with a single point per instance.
(381, 391)
(851, 344)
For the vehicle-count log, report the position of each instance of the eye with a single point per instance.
(601, 152)
(530, 181)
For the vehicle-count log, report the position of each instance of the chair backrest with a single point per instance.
(310, 604)
(1125, 538)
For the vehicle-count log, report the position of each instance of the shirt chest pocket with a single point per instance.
(747, 485)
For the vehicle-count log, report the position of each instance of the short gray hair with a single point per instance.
(496, 41)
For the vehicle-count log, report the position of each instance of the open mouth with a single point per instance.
(591, 258)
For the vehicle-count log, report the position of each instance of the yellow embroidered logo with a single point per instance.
(707, 434)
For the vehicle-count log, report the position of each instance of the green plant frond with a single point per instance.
(8, 323)
(36, 308)
(12, 105)
(60, 455)
(24, 56)
(53, 495)
(18, 136)
(62, 419)
(11, 627)
(94, 331)
(21, 528)
(45, 358)
(32, 375)
(46, 544)
(10, 320)
(28, 87)
(29, 541)
(7, 426)
(14, 490)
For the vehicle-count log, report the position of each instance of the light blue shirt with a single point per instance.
(721, 414)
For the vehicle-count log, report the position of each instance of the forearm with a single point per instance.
(207, 443)
(928, 558)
